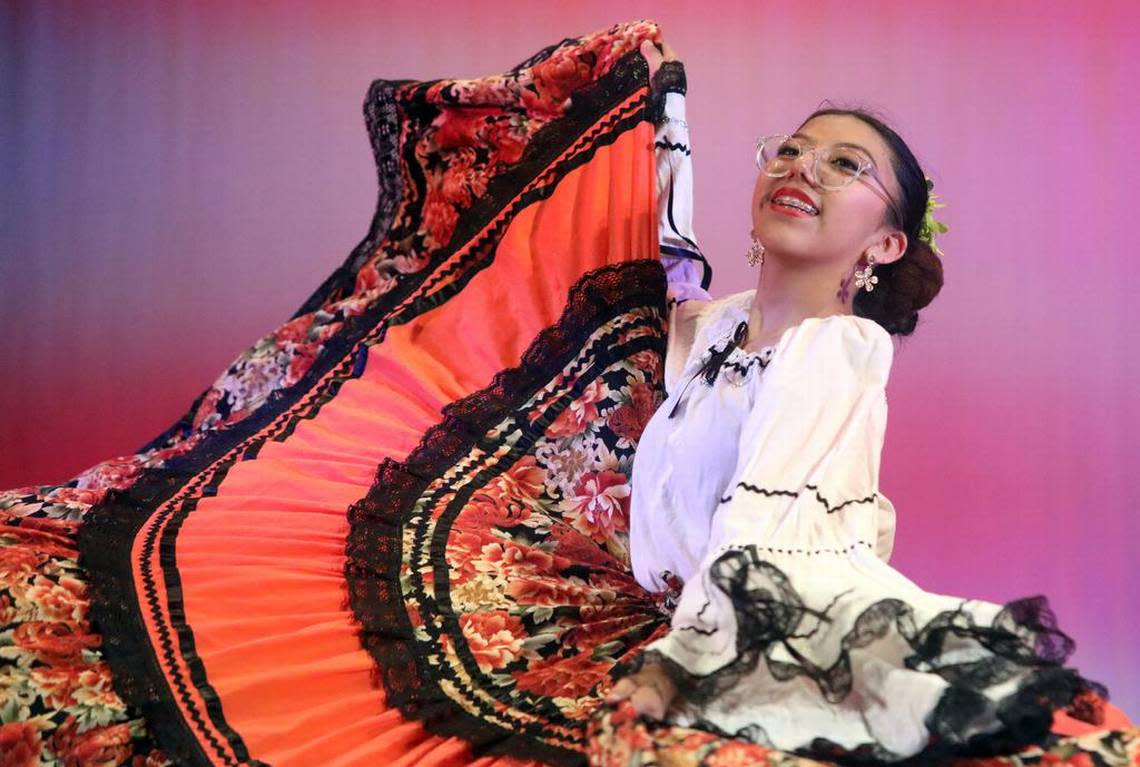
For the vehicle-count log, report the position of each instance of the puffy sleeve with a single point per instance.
(806, 479)
(688, 271)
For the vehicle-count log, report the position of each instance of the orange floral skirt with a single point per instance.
(395, 530)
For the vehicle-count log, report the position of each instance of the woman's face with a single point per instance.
(849, 219)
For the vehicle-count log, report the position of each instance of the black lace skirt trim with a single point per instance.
(1022, 642)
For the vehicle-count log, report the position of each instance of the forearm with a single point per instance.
(688, 272)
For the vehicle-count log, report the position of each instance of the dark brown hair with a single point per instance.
(911, 282)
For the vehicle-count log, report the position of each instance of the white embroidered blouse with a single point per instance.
(781, 451)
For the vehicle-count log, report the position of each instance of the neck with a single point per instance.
(787, 294)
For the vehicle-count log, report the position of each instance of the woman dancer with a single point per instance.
(395, 530)
(791, 629)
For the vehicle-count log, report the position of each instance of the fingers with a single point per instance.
(644, 695)
(622, 690)
(650, 49)
(647, 701)
(652, 56)
(646, 690)
(668, 53)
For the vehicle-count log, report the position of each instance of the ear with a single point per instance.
(891, 247)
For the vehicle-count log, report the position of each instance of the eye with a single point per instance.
(788, 150)
(847, 160)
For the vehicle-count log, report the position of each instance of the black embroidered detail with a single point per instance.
(742, 369)
(795, 494)
(695, 629)
(761, 491)
(703, 632)
(682, 148)
(973, 717)
(812, 552)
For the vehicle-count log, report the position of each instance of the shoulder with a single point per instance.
(839, 345)
(684, 317)
(695, 317)
(710, 318)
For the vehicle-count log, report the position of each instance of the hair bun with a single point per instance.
(905, 286)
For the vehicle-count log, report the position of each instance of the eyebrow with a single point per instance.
(860, 147)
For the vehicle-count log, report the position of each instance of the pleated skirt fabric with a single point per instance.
(395, 530)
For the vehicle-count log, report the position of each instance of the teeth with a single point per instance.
(793, 202)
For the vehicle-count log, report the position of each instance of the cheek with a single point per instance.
(849, 217)
(759, 191)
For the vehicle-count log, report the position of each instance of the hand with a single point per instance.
(650, 691)
(656, 57)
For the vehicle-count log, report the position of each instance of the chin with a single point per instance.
(780, 238)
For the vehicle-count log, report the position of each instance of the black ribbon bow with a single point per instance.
(711, 369)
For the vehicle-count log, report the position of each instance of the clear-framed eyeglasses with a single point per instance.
(833, 167)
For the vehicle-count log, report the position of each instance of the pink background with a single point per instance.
(179, 178)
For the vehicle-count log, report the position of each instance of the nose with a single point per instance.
(805, 165)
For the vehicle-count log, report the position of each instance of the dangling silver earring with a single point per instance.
(864, 278)
(756, 253)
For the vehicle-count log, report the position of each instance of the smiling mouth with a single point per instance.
(785, 199)
(790, 210)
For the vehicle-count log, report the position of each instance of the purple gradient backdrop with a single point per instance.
(179, 177)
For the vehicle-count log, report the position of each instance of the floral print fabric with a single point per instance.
(57, 695)
(57, 701)
(536, 559)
